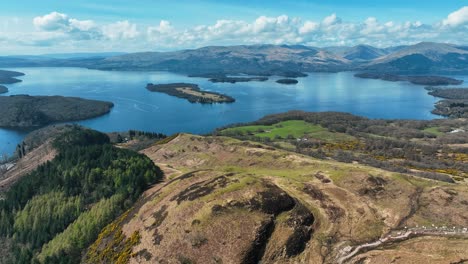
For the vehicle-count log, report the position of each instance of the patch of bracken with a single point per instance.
(297, 241)
(315, 193)
(144, 253)
(376, 186)
(301, 221)
(201, 189)
(157, 238)
(334, 212)
(376, 181)
(273, 200)
(322, 178)
(300, 216)
(159, 216)
(255, 253)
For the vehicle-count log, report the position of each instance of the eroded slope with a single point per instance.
(230, 201)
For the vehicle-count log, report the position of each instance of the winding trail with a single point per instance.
(348, 252)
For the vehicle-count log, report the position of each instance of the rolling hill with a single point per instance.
(228, 200)
(424, 57)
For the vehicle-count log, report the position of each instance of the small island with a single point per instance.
(419, 80)
(191, 92)
(7, 77)
(24, 111)
(223, 78)
(249, 75)
(287, 81)
(455, 104)
(226, 79)
(3, 89)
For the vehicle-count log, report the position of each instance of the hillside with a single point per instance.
(231, 201)
(226, 200)
(51, 212)
(423, 57)
(283, 60)
(255, 60)
(32, 111)
(359, 53)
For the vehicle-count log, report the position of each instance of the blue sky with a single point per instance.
(31, 26)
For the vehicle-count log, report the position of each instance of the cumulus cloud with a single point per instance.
(52, 21)
(331, 20)
(58, 29)
(308, 27)
(121, 30)
(85, 29)
(457, 18)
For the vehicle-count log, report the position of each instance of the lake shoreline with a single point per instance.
(136, 108)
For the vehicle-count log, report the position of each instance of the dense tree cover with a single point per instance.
(58, 209)
(455, 105)
(421, 80)
(448, 93)
(3, 89)
(32, 111)
(452, 108)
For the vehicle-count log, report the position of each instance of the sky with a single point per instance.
(53, 26)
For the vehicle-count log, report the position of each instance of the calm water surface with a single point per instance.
(137, 108)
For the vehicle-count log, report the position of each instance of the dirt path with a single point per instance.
(348, 252)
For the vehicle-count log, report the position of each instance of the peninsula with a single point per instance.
(191, 92)
(7, 77)
(3, 89)
(455, 103)
(23, 111)
(419, 80)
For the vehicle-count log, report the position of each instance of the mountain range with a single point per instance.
(424, 57)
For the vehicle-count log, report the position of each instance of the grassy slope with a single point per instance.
(294, 128)
(381, 144)
(348, 205)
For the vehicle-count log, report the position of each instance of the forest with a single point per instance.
(52, 214)
(455, 103)
(23, 111)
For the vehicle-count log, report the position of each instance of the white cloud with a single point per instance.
(457, 18)
(331, 20)
(61, 23)
(59, 30)
(84, 25)
(121, 30)
(309, 26)
(52, 21)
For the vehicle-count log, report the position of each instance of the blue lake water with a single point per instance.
(137, 108)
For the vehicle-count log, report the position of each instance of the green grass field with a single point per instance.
(433, 130)
(294, 128)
